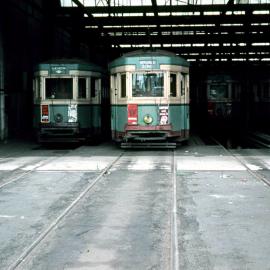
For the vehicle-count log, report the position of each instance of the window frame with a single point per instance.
(161, 72)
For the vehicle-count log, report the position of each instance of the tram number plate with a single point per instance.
(132, 114)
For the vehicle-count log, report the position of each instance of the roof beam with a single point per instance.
(169, 8)
(191, 39)
(173, 20)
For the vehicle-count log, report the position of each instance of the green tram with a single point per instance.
(67, 101)
(149, 99)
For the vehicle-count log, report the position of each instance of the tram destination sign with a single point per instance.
(58, 70)
(148, 64)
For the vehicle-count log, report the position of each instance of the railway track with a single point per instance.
(28, 251)
(251, 172)
(35, 166)
(174, 230)
(174, 249)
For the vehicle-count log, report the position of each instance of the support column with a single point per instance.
(2, 92)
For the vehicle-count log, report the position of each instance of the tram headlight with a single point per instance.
(148, 119)
(58, 118)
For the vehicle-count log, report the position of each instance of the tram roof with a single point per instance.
(160, 56)
(69, 64)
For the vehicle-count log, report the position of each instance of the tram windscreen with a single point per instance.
(147, 85)
(218, 92)
(59, 88)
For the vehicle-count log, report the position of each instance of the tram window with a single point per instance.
(218, 91)
(173, 85)
(58, 88)
(93, 86)
(123, 86)
(147, 85)
(182, 88)
(183, 84)
(82, 88)
(37, 86)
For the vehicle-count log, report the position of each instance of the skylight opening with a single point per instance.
(198, 45)
(261, 44)
(141, 45)
(239, 59)
(139, 26)
(132, 14)
(212, 45)
(261, 12)
(239, 12)
(112, 26)
(208, 13)
(231, 24)
(103, 3)
(125, 45)
(99, 15)
(164, 14)
(91, 27)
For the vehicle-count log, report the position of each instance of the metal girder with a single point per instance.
(191, 39)
(170, 20)
(170, 8)
(186, 30)
(209, 51)
(192, 30)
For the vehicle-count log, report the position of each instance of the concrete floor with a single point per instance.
(124, 221)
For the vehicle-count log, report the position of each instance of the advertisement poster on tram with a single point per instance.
(163, 115)
(44, 113)
(132, 114)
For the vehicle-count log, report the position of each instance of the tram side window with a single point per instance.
(58, 88)
(147, 85)
(82, 88)
(93, 86)
(37, 88)
(173, 85)
(182, 84)
(218, 91)
(123, 86)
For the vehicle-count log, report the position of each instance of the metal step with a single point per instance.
(163, 145)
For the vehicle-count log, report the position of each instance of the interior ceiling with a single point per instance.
(199, 33)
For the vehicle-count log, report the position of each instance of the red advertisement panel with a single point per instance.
(44, 113)
(132, 114)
